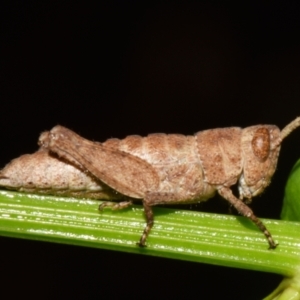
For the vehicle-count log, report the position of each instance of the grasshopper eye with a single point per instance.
(261, 143)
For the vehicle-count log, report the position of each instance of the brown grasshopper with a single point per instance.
(157, 169)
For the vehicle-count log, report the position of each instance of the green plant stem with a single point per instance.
(187, 235)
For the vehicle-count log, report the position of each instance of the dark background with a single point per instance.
(123, 68)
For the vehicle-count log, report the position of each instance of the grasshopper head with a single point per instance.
(260, 149)
(260, 146)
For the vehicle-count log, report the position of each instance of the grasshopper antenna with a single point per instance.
(289, 128)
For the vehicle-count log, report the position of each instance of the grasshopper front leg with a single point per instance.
(245, 211)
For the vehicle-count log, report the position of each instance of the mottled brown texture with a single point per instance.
(175, 160)
(93, 156)
(44, 173)
(220, 154)
(157, 169)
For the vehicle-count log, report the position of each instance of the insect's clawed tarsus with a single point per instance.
(114, 205)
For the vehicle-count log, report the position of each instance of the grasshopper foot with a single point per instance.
(115, 206)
